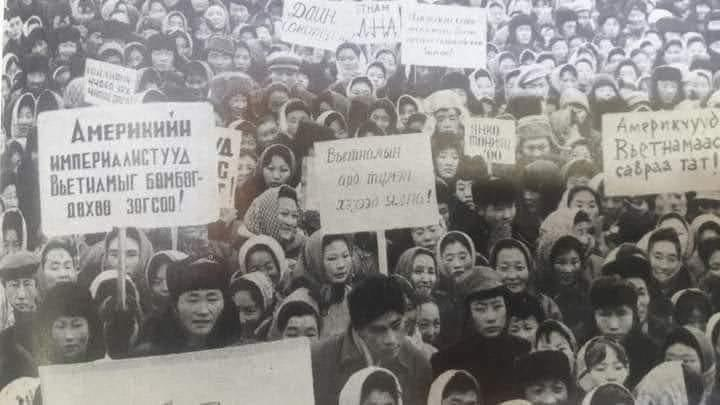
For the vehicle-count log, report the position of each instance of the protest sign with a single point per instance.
(663, 151)
(373, 22)
(448, 36)
(147, 165)
(234, 375)
(228, 150)
(493, 139)
(315, 23)
(106, 83)
(375, 183)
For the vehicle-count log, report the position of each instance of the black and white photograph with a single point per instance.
(360, 202)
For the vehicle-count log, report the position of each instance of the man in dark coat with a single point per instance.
(375, 338)
(487, 351)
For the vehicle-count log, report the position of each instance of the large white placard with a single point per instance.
(231, 376)
(493, 139)
(106, 83)
(315, 23)
(375, 183)
(449, 36)
(147, 165)
(661, 151)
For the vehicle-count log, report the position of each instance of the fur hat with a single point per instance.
(202, 274)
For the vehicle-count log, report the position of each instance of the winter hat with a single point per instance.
(67, 34)
(159, 258)
(220, 43)
(159, 42)
(445, 381)
(202, 274)
(534, 126)
(22, 264)
(637, 99)
(609, 393)
(480, 283)
(627, 261)
(612, 292)
(443, 99)
(670, 24)
(552, 325)
(33, 63)
(283, 60)
(573, 96)
(563, 15)
(667, 72)
(373, 297)
(67, 299)
(542, 365)
(530, 74)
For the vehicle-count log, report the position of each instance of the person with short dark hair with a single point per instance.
(374, 337)
(544, 378)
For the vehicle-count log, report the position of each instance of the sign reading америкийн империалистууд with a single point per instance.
(149, 165)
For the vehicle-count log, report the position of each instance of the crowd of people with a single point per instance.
(533, 286)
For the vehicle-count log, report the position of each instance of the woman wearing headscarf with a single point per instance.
(670, 383)
(276, 166)
(601, 360)
(382, 113)
(325, 267)
(694, 349)
(455, 386)
(368, 385)
(217, 18)
(275, 213)
(157, 299)
(334, 121)
(482, 90)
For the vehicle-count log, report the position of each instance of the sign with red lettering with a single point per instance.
(146, 165)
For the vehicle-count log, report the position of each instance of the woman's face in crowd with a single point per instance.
(406, 110)
(25, 116)
(377, 77)
(263, 260)
(219, 61)
(614, 322)
(22, 294)
(568, 79)
(238, 13)
(158, 284)
(305, 325)
(202, 31)
(489, 316)
(11, 241)
(547, 392)
(556, 341)
(136, 58)
(293, 120)
(381, 117)
(132, 256)
(524, 329)
(157, 11)
(242, 59)
(422, 275)
(714, 263)
(457, 260)
(506, 64)
(162, 59)
(276, 100)
(428, 322)
(686, 354)
(585, 72)
(14, 28)
(513, 268)
(276, 172)
(604, 93)
(58, 268)
(216, 17)
(288, 217)
(337, 262)
(199, 310)
(675, 54)
(643, 295)
(388, 60)
(585, 201)
(9, 196)
(238, 104)
(665, 260)
(183, 47)
(249, 312)
(523, 34)
(245, 169)
(70, 336)
(360, 89)
(338, 129)
(628, 74)
(696, 49)
(642, 61)
(496, 14)
(611, 28)
(610, 370)
(348, 60)
(560, 50)
(567, 267)
(176, 23)
(485, 87)
(446, 163)
(427, 236)
(671, 202)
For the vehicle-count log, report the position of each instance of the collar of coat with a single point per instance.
(352, 354)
